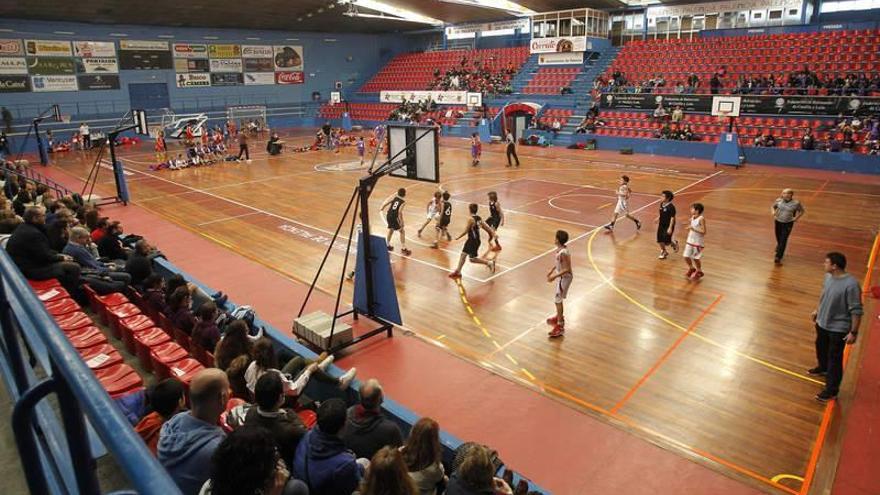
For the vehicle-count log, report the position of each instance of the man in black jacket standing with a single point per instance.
(29, 249)
(366, 430)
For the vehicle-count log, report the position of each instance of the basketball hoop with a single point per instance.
(65, 119)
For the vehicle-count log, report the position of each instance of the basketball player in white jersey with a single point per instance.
(622, 207)
(693, 249)
(560, 273)
(433, 210)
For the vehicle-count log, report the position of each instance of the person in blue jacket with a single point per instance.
(322, 460)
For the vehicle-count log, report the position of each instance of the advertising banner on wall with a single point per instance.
(11, 47)
(50, 66)
(193, 80)
(226, 65)
(98, 82)
(13, 65)
(144, 55)
(98, 65)
(259, 78)
(14, 84)
(90, 49)
(288, 58)
(760, 105)
(227, 79)
(190, 50)
(440, 97)
(224, 51)
(257, 51)
(191, 65)
(289, 78)
(563, 44)
(563, 58)
(258, 65)
(53, 83)
(47, 48)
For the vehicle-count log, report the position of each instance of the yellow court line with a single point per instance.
(780, 477)
(682, 328)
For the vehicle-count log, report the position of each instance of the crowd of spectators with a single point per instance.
(476, 77)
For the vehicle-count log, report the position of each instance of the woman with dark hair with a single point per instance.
(90, 217)
(475, 475)
(247, 463)
(235, 343)
(422, 455)
(387, 475)
(296, 372)
(206, 333)
(154, 293)
(179, 306)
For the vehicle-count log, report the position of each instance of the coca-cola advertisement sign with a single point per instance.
(296, 77)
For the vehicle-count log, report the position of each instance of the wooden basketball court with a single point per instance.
(713, 369)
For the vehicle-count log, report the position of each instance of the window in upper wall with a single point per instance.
(847, 5)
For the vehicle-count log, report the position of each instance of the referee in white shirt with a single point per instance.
(511, 149)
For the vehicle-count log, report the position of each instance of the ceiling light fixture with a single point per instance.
(387, 12)
(512, 8)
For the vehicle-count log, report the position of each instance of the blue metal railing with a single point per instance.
(56, 452)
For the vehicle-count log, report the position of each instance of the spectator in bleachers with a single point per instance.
(58, 232)
(189, 439)
(139, 264)
(165, 399)
(677, 115)
(715, 84)
(678, 88)
(23, 199)
(110, 245)
(286, 427)
(687, 134)
(105, 278)
(555, 127)
(366, 428)
(154, 293)
(660, 112)
(693, 82)
(423, 455)
(387, 475)
(475, 475)
(198, 296)
(665, 131)
(206, 333)
(179, 305)
(235, 343)
(808, 142)
(265, 360)
(332, 468)
(28, 246)
(246, 463)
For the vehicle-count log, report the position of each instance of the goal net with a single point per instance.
(251, 117)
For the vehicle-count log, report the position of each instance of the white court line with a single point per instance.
(585, 234)
(228, 218)
(542, 217)
(287, 219)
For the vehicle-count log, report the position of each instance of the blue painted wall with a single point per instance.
(352, 58)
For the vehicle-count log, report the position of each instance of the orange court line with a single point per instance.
(817, 191)
(666, 354)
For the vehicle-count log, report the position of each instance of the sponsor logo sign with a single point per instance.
(11, 47)
(749, 104)
(191, 65)
(288, 58)
(257, 78)
(13, 65)
(193, 80)
(256, 51)
(14, 84)
(563, 58)
(47, 48)
(98, 82)
(53, 83)
(99, 65)
(190, 50)
(50, 66)
(289, 78)
(91, 49)
(156, 46)
(227, 79)
(440, 97)
(564, 44)
(258, 65)
(226, 65)
(224, 51)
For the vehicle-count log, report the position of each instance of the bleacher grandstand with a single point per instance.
(238, 250)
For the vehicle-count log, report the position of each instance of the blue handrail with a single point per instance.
(80, 394)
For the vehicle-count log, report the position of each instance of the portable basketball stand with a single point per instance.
(133, 119)
(728, 151)
(372, 257)
(42, 152)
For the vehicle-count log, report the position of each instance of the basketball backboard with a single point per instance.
(418, 147)
(725, 106)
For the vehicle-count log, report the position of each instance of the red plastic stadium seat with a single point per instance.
(61, 307)
(185, 369)
(44, 284)
(72, 321)
(119, 380)
(51, 294)
(83, 338)
(163, 356)
(131, 325)
(101, 356)
(145, 340)
(119, 312)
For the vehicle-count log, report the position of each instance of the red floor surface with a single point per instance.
(563, 450)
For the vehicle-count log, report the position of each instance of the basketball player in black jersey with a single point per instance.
(496, 219)
(442, 226)
(472, 245)
(394, 218)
